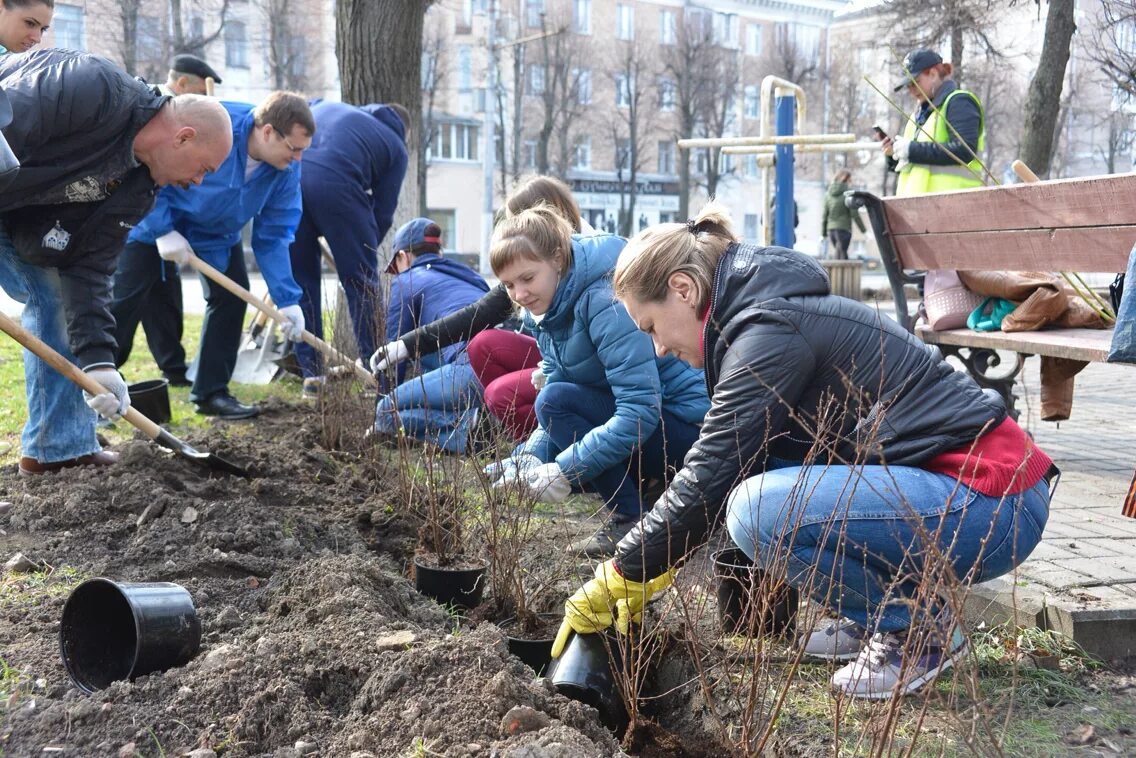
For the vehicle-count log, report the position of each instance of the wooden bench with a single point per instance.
(1086, 225)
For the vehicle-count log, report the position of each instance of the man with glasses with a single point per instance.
(259, 182)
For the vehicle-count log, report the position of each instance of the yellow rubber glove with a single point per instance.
(590, 609)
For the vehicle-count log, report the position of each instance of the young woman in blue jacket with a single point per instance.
(608, 400)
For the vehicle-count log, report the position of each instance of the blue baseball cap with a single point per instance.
(914, 64)
(417, 235)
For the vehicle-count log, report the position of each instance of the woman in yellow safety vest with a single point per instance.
(943, 137)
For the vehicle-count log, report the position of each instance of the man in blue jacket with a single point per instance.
(258, 182)
(352, 176)
(440, 404)
(92, 143)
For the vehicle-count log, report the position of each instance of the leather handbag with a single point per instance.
(946, 301)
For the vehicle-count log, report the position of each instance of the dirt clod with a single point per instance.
(523, 719)
(20, 564)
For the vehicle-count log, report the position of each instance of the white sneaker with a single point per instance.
(885, 669)
(835, 640)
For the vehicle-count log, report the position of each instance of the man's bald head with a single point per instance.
(191, 136)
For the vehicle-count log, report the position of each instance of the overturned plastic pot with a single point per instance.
(151, 398)
(459, 587)
(751, 603)
(534, 653)
(589, 670)
(118, 630)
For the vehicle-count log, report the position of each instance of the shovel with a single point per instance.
(329, 352)
(133, 417)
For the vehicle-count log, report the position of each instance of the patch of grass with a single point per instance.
(18, 591)
(141, 366)
(11, 681)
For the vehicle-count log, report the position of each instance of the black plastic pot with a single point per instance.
(117, 630)
(750, 602)
(151, 398)
(536, 654)
(587, 671)
(462, 588)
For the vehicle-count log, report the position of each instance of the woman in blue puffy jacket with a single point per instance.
(608, 401)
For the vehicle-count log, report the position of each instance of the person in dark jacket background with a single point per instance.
(93, 143)
(836, 221)
(843, 451)
(440, 405)
(352, 177)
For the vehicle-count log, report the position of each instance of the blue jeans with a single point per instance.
(60, 425)
(567, 412)
(439, 406)
(859, 539)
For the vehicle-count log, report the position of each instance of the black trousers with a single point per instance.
(147, 290)
(221, 330)
(839, 239)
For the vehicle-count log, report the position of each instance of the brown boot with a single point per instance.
(32, 467)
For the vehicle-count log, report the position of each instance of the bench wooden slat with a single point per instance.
(1077, 344)
(1088, 201)
(1088, 250)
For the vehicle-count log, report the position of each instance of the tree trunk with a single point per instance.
(129, 15)
(1043, 104)
(957, 50)
(389, 71)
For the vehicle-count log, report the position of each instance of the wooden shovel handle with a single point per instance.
(1024, 172)
(273, 313)
(72, 372)
(209, 86)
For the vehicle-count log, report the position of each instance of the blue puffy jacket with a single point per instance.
(431, 288)
(588, 338)
(212, 214)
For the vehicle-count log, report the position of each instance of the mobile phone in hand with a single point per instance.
(880, 134)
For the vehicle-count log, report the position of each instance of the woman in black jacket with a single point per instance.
(838, 448)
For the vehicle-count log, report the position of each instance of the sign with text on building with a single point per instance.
(611, 200)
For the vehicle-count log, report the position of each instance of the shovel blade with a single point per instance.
(210, 460)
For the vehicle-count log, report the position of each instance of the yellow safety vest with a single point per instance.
(922, 178)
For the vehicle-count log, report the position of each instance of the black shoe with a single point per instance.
(224, 405)
(602, 543)
(177, 378)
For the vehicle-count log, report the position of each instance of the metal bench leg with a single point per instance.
(980, 361)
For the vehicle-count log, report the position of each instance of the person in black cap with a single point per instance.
(941, 140)
(161, 312)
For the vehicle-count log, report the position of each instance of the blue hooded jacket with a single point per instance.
(431, 288)
(212, 214)
(363, 146)
(587, 338)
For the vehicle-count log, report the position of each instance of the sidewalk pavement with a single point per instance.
(1081, 579)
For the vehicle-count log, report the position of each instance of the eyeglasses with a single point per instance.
(295, 150)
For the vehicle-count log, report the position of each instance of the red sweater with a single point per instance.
(1004, 461)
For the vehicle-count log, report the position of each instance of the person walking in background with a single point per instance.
(258, 182)
(943, 137)
(352, 177)
(836, 221)
(159, 310)
(440, 405)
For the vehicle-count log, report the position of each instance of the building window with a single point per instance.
(530, 153)
(666, 95)
(726, 30)
(699, 23)
(582, 16)
(752, 101)
(297, 58)
(753, 39)
(149, 40)
(701, 160)
(751, 226)
(236, 45)
(465, 19)
(800, 39)
(70, 25)
(667, 27)
(583, 153)
(583, 79)
(534, 13)
(751, 166)
(196, 34)
(666, 157)
(624, 85)
(465, 68)
(624, 22)
(535, 81)
(455, 142)
(622, 154)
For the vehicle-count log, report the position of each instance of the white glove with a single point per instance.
(388, 355)
(112, 403)
(174, 247)
(293, 329)
(539, 378)
(511, 469)
(900, 148)
(547, 483)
